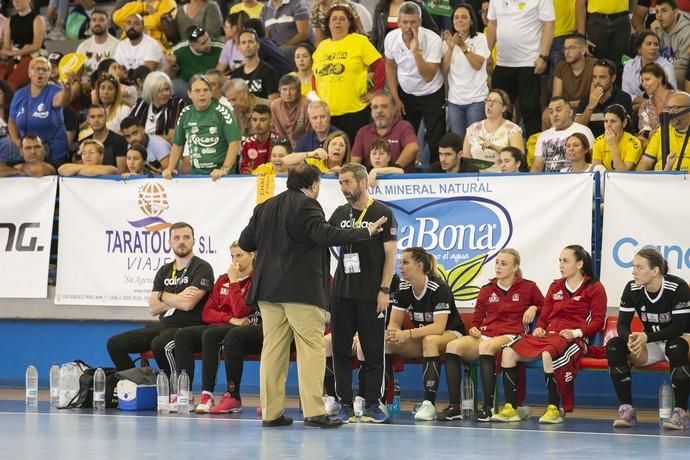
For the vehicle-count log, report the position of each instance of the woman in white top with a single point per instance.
(484, 139)
(464, 66)
(579, 154)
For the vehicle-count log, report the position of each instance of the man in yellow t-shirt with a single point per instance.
(608, 28)
(677, 133)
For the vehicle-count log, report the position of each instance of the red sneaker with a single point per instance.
(206, 403)
(227, 405)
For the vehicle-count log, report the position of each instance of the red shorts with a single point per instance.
(530, 346)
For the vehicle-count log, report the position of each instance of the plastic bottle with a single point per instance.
(173, 384)
(99, 389)
(163, 388)
(54, 385)
(467, 394)
(183, 393)
(665, 401)
(31, 386)
(396, 398)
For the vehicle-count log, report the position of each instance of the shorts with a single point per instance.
(458, 334)
(530, 346)
(656, 351)
(509, 336)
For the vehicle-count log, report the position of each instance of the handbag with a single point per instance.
(169, 27)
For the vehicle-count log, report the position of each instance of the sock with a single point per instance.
(622, 383)
(361, 380)
(680, 378)
(431, 372)
(389, 376)
(453, 378)
(487, 372)
(329, 378)
(551, 391)
(510, 385)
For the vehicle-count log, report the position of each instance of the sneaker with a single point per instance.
(450, 413)
(626, 417)
(57, 34)
(426, 412)
(346, 414)
(206, 402)
(332, 405)
(552, 415)
(678, 421)
(507, 414)
(484, 415)
(227, 405)
(359, 405)
(375, 414)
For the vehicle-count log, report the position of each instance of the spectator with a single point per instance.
(304, 63)
(260, 76)
(413, 74)
(136, 161)
(109, 95)
(251, 7)
(334, 154)
(180, 291)
(231, 57)
(6, 96)
(22, 38)
(37, 108)
(269, 51)
(450, 159)
(138, 48)
(386, 20)
(158, 109)
(289, 111)
(149, 14)
(256, 150)
(573, 75)
(279, 151)
(399, 134)
(346, 93)
(647, 45)
(511, 160)
(115, 146)
(209, 131)
(29, 163)
(608, 28)
(484, 139)
(550, 152)
(674, 37)
(679, 153)
(111, 67)
(616, 149)
(319, 127)
(216, 78)
(465, 53)
(101, 45)
(91, 153)
(643, 16)
(318, 17)
(602, 93)
(243, 102)
(570, 18)
(55, 18)
(658, 89)
(578, 153)
(200, 13)
(193, 56)
(524, 35)
(287, 24)
(380, 158)
(157, 148)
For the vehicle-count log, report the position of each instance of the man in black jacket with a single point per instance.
(290, 235)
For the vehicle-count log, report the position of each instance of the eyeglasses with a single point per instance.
(41, 69)
(493, 102)
(196, 33)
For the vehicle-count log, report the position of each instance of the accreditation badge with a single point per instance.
(351, 263)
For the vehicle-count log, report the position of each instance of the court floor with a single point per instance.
(75, 434)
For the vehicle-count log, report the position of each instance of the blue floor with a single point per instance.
(46, 433)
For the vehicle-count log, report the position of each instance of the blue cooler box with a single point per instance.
(136, 397)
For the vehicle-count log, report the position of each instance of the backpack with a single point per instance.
(84, 397)
(76, 25)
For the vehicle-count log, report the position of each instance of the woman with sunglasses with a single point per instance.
(109, 95)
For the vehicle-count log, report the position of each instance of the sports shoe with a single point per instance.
(426, 412)
(57, 34)
(507, 414)
(552, 415)
(678, 421)
(227, 405)
(374, 414)
(206, 403)
(626, 417)
(332, 405)
(484, 415)
(346, 414)
(359, 405)
(173, 402)
(450, 413)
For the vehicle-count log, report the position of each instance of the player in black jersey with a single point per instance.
(429, 302)
(662, 302)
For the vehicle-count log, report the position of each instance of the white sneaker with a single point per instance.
(56, 34)
(359, 404)
(332, 405)
(426, 412)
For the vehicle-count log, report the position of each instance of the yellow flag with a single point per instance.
(265, 186)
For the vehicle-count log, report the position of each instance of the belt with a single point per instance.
(610, 16)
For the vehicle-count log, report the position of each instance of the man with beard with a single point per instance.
(114, 144)
(101, 45)
(572, 76)
(138, 49)
(399, 134)
(261, 78)
(180, 291)
(361, 294)
(256, 149)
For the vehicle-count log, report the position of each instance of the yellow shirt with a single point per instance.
(675, 143)
(629, 148)
(606, 6)
(341, 68)
(319, 163)
(531, 147)
(152, 21)
(565, 17)
(254, 12)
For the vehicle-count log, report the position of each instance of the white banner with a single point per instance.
(644, 210)
(26, 226)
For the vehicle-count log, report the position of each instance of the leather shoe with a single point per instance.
(283, 420)
(322, 421)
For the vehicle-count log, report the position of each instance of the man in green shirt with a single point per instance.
(193, 56)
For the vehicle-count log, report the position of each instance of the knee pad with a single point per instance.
(677, 352)
(617, 352)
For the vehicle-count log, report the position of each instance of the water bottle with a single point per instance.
(54, 385)
(183, 393)
(163, 388)
(467, 393)
(396, 398)
(173, 384)
(31, 386)
(665, 401)
(99, 389)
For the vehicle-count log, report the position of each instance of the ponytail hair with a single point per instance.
(581, 255)
(654, 259)
(428, 261)
(516, 258)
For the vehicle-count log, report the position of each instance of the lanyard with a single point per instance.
(174, 273)
(361, 216)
